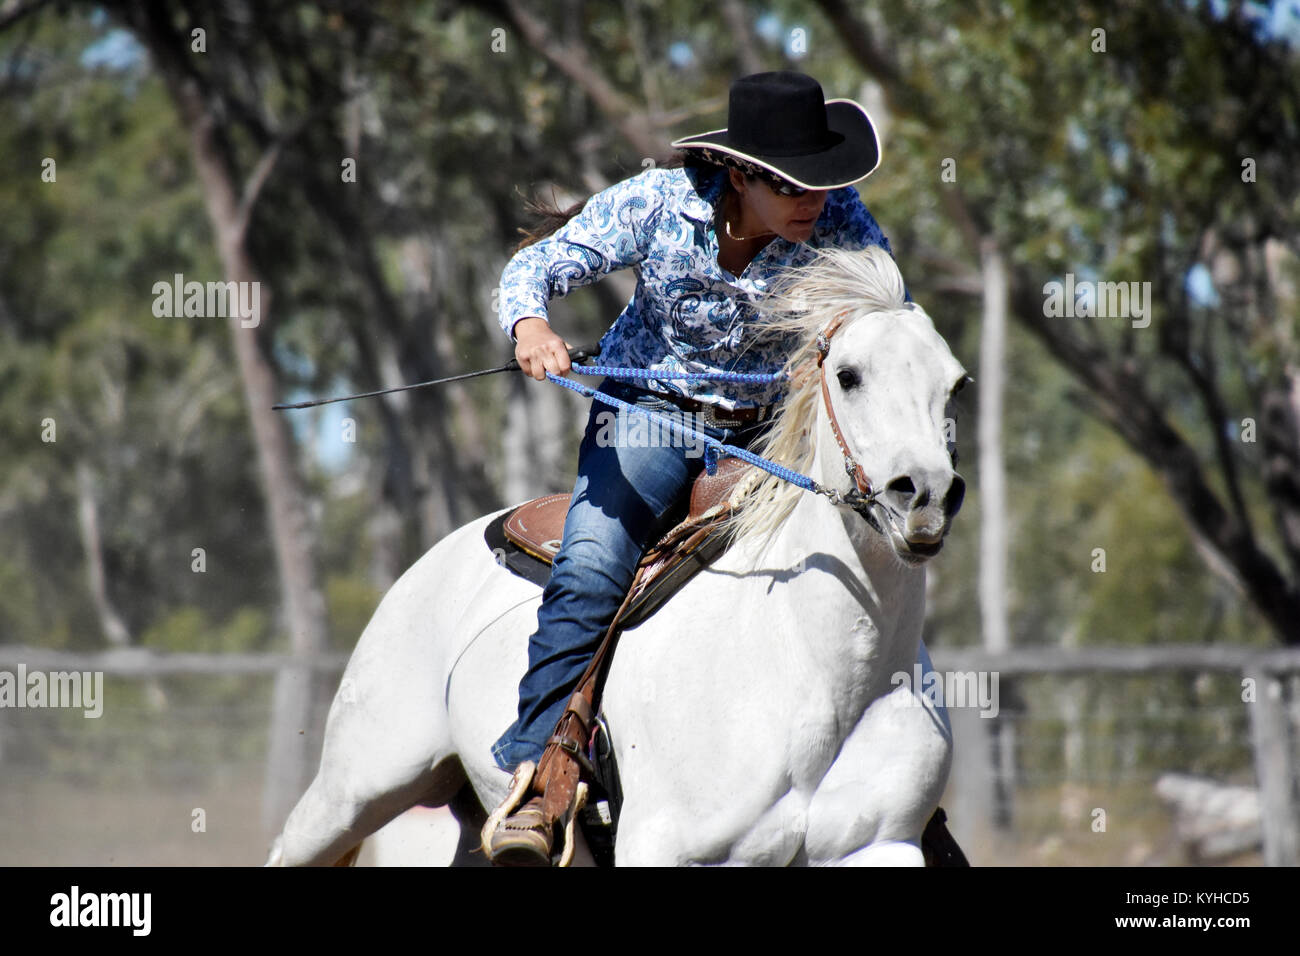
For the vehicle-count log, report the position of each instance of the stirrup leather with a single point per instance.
(554, 787)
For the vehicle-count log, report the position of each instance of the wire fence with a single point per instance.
(1118, 760)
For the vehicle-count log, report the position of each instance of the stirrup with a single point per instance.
(579, 801)
(515, 836)
(522, 839)
(520, 784)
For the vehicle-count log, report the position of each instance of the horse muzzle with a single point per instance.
(915, 520)
(912, 549)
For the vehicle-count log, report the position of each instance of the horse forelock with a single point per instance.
(837, 286)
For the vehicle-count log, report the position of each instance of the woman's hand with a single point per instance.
(539, 350)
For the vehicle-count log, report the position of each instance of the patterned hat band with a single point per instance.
(719, 158)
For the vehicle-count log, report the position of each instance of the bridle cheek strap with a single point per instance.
(851, 466)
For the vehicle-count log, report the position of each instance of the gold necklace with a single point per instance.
(726, 226)
(731, 235)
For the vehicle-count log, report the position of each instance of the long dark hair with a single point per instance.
(548, 217)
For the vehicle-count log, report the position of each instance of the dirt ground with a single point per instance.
(52, 823)
(46, 822)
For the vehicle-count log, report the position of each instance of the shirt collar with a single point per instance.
(703, 196)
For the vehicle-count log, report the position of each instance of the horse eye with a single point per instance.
(961, 383)
(849, 378)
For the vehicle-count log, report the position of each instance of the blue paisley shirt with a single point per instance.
(688, 314)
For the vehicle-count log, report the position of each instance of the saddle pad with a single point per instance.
(510, 555)
(677, 557)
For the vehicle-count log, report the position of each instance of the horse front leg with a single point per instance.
(886, 853)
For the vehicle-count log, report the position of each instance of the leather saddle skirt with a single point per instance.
(537, 526)
(526, 539)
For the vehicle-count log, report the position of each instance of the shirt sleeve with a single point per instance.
(858, 228)
(613, 231)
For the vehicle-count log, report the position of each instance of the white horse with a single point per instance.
(757, 717)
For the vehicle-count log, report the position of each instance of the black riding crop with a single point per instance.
(577, 354)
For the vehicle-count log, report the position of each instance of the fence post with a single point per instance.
(287, 754)
(1275, 769)
(969, 802)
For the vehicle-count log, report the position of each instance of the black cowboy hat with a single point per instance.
(781, 123)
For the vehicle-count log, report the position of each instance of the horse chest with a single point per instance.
(877, 786)
(750, 777)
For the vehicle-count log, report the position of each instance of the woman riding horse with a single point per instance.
(708, 239)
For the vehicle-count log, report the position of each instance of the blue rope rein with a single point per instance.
(614, 371)
(713, 449)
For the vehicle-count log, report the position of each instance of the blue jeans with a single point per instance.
(625, 496)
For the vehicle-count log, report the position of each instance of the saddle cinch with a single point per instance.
(525, 540)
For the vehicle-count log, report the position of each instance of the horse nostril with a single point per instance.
(956, 494)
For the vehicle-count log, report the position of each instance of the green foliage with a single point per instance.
(189, 629)
(350, 602)
(147, 406)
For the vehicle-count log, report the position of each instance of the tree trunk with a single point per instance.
(293, 538)
(110, 622)
(736, 16)
(993, 505)
(569, 55)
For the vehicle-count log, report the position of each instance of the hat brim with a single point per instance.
(854, 158)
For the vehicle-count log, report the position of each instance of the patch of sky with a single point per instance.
(115, 50)
(1279, 20)
(796, 43)
(768, 27)
(1200, 286)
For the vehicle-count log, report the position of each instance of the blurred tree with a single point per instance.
(1118, 156)
(144, 465)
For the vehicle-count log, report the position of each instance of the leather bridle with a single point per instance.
(862, 496)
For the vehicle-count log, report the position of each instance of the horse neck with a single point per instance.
(865, 601)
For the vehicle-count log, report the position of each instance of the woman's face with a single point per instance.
(765, 210)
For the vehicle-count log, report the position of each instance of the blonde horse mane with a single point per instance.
(837, 282)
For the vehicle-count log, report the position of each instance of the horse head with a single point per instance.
(889, 380)
(868, 410)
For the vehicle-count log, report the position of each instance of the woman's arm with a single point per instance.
(857, 228)
(854, 225)
(614, 230)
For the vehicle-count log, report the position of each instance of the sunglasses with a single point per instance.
(783, 187)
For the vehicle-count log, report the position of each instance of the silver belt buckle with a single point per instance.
(712, 418)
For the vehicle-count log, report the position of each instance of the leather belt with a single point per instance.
(716, 417)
